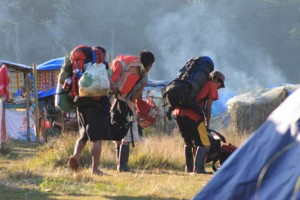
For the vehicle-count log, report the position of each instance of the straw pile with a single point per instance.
(250, 110)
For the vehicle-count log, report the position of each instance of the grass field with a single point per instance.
(31, 171)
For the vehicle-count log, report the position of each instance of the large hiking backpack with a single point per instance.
(121, 118)
(126, 72)
(183, 91)
(80, 56)
(73, 67)
(218, 152)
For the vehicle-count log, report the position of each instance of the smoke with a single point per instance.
(251, 47)
(196, 30)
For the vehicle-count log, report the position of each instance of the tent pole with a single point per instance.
(37, 112)
(28, 89)
(165, 119)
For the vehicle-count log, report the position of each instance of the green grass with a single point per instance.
(29, 171)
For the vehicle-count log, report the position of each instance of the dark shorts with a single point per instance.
(93, 123)
(189, 130)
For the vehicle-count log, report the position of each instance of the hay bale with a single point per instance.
(250, 110)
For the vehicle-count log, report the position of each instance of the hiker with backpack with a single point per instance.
(193, 125)
(129, 74)
(190, 96)
(92, 111)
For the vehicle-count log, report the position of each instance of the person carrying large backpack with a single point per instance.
(92, 112)
(129, 74)
(192, 124)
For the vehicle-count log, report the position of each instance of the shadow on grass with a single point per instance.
(12, 192)
(15, 150)
(139, 198)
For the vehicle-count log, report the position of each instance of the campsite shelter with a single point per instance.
(155, 89)
(19, 121)
(47, 73)
(47, 76)
(266, 166)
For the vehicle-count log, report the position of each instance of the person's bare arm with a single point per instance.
(138, 93)
(208, 112)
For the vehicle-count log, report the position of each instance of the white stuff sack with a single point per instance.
(94, 81)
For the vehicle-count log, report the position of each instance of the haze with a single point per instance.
(256, 43)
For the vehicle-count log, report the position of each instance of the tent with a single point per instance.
(48, 73)
(19, 123)
(267, 165)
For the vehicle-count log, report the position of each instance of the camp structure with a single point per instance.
(155, 89)
(47, 77)
(266, 166)
(15, 110)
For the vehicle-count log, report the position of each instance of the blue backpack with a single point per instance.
(183, 91)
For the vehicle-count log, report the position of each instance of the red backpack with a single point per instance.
(146, 112)
(126, 72)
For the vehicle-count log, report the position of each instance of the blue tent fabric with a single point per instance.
(267, 165)
(220, 106)
(47, 93)
(53, 64)
(156, 84)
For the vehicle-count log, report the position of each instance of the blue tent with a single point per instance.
(267, 165)
(53, 64)
(156, 84)
(220, 106)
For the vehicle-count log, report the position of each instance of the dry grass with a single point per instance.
(31, 172)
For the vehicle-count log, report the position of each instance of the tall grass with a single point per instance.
(154, 151)
(159, 152)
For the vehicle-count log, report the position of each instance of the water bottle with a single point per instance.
(67, 84)
(78, 73)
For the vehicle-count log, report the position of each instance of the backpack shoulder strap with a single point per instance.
(97, 56)
(137, 86)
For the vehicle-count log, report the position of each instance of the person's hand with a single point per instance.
(143, 74)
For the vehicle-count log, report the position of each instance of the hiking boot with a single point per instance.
(117, 155)
(200, 158)
(189, 158)
(203, 172)
(123, 159)
(74, 164)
